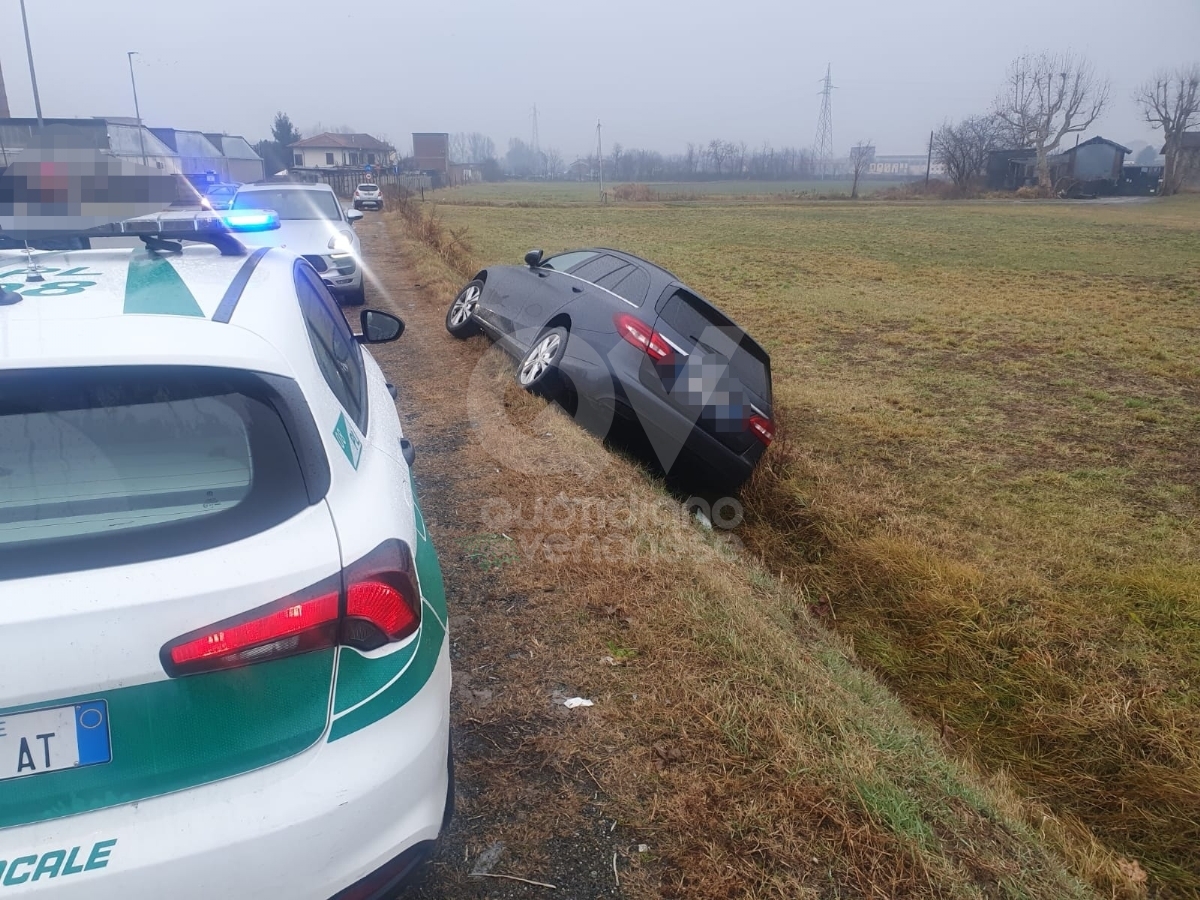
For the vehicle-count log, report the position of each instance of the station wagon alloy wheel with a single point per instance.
(464, 306)
(539, 369)
(460, 318)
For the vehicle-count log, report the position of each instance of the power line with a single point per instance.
(823, 147)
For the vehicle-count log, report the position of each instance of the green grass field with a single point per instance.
(987, 472)
(552, 193)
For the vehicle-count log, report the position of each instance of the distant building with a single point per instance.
(329, 151)
(188, 153)
(1006, 168)
(200, 160)
(431, 154)
(1097, 161)
(464, 173)
(243, 164)
(1189, 158)
(1141, 181)
(904, 167)
(137, 143)
(1094, 166)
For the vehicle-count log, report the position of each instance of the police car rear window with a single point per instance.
(175, 460)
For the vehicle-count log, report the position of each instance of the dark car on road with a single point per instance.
(615, 336)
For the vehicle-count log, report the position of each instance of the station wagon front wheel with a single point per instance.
(460, 317)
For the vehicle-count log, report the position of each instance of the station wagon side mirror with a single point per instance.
(533, 258)
(353, 215)
(379, 327)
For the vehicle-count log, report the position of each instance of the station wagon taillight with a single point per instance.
(375, 601)
(641, 335)
(762, 428)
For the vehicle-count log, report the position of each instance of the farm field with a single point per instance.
(987, 471)
(587, 193)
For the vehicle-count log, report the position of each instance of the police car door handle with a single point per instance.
(408, 451)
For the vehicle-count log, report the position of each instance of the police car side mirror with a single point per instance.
(353, 215)
(379, 327)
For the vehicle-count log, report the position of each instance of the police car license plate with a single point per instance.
(48, 740)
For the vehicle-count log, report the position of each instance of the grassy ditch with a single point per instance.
(987, 476)
(758, 758)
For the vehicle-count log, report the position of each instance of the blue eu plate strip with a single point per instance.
(91, 733)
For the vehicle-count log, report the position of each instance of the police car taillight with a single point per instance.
(379, 604)
(286, 628)
(383, 600)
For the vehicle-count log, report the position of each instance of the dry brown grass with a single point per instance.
(736, 734)
(423, 224)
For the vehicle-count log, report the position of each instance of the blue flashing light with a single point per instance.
(251, 220)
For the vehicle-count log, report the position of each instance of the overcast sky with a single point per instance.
(657, 73)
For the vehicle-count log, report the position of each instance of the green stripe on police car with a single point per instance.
(153, 287)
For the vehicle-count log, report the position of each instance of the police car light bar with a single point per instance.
(179, 224)
(160, 231)
(208, 227)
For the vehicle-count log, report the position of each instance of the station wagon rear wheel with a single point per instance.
(460, 318)
(538, 371)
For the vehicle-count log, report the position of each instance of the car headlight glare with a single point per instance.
(343, 241)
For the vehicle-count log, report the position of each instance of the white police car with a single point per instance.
(312, 224)
(224, 666)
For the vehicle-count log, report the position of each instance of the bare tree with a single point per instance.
(458, 147)
(718, 152)
(554, 162)
(615, 156)
(963, 148)
(1171, 101)
(861, 157)
(1048, 96)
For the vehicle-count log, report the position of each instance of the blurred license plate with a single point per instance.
(49, 740)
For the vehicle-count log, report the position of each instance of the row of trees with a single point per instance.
(704, 161)
(699, 161)
(1047, 97)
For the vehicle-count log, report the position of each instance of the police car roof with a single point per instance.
(133, 307)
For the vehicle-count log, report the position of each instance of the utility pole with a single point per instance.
(535, 143)
(929, 160)
(37, 101)
(137, 109)
(4, 113)
(600, 156)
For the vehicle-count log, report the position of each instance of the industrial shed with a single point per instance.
(201, 161)
(244, 165)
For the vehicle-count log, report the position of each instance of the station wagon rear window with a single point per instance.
(712, 332)
(171, 459)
